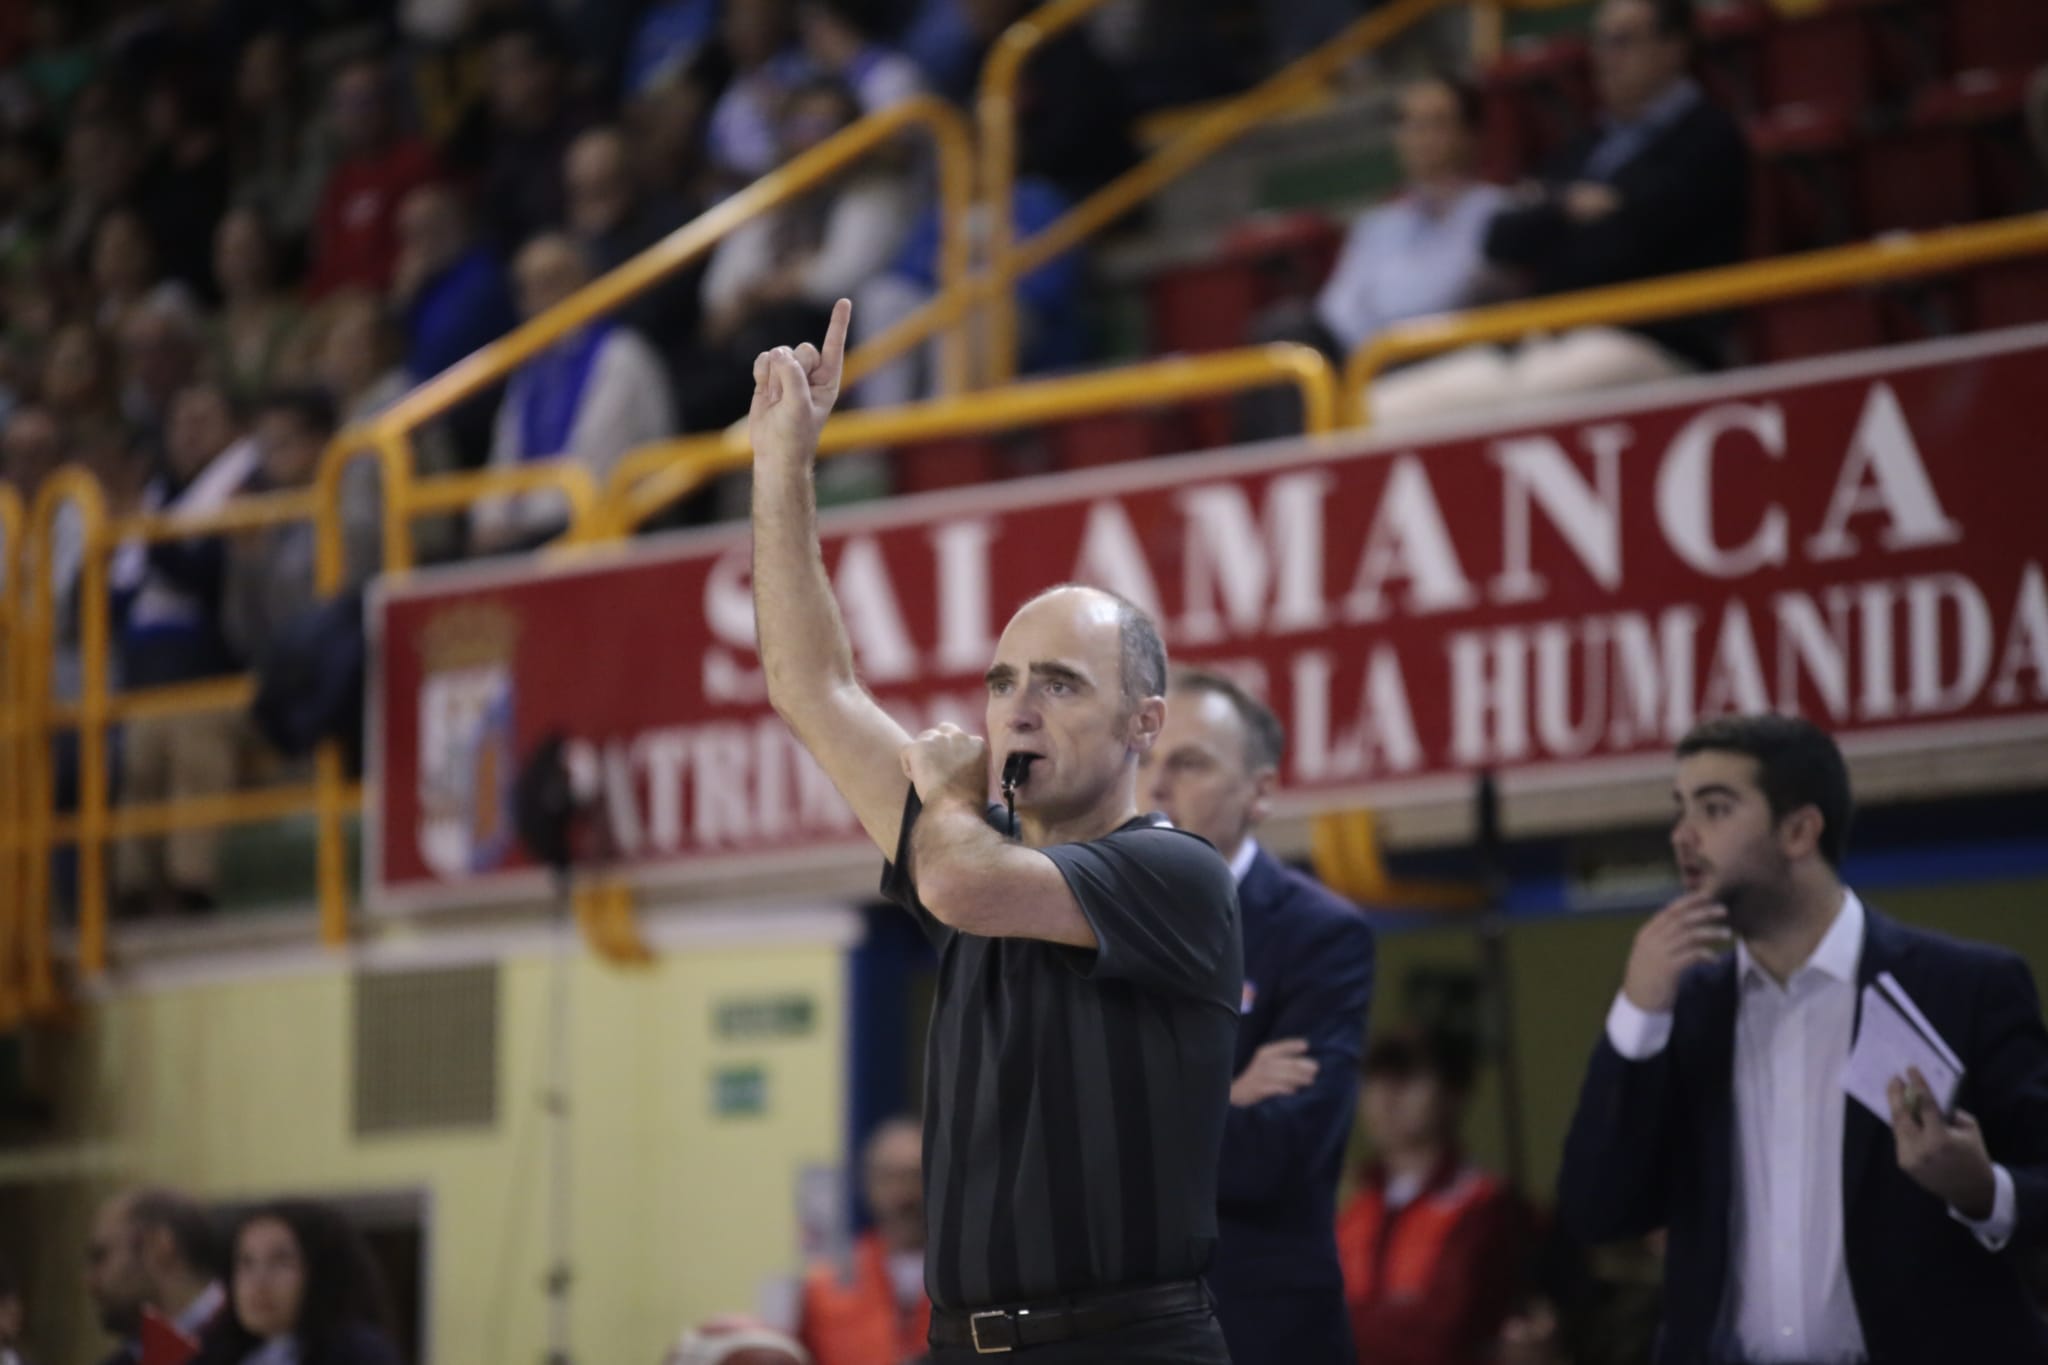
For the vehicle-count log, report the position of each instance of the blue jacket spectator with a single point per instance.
(453, 291)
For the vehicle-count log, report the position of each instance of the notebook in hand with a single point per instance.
(1892, 1037)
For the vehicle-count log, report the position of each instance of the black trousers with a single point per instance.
(1182, 1339)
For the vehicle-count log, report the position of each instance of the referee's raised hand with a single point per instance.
(794, 392)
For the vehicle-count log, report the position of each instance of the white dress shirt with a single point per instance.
(1790, 1298)
(1241, 861)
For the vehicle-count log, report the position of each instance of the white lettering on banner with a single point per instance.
(1558, 687)
(1874, 617)
(965, 642)
(1654, 698)
(1685, 491)
(1586, 514)
(874, 618)
(1883, 472)
(2027, 646)
(1226, 556)
(1930, 694)
(1489, 696)
(1820, 646)
(1735, 678)
(1383, 743)
(729, 615)
(1111, 558)
(1408, 540)
(1634, 678)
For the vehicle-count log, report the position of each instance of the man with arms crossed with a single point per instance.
(1308, 963)
(1078, 1067)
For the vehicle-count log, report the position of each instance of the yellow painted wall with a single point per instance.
(242, 1090)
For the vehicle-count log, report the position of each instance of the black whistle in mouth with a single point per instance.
(1015, 769)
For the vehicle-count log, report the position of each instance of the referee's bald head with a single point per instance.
(1142, 657)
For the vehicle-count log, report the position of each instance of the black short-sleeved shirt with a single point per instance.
(1074, 1099)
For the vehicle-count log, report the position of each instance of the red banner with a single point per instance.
(1859, 540)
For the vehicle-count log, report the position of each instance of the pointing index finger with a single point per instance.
(835, 337)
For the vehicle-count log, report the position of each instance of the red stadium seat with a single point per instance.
(1731, 54)
(1795, 328)
(2008, 294)
(1536, 97)
(959, 462)
(1916, 180)
(1996, 35)
(1204, 307)
(1109, 438)
(1804, 179)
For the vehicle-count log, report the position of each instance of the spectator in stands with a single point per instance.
(30, 447)
(356, 363)
(743, 142)
(161, 349)
(124, 270)
(355, 237)
(839, 45)
(278, 153)
(101, 160)
(257, 320)
(153, 1251)
(1424, 252)
(778, 275)
(666, 123)
(1421, 253)
(874, 1312)
(270, 573)
(182, 189)
(615, 220)
(172, 634)
(305, 1289)
(515, 140)
(28, 195)
(592, 396)
(60, 60)
(1660, 187)
(1430, 1245)
(671, 36)
(450, 288)
(80, 374)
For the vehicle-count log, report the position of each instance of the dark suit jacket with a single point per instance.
(1684, 206)
(1653, 1143)
(1308, 964)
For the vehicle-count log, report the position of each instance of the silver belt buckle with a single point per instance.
(974, 1332)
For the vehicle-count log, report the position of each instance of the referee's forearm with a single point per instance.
(952, 851)
(802, 641)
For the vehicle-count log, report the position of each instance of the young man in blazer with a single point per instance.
(1802, 1227)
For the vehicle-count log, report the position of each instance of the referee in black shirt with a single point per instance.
(1079, 1065)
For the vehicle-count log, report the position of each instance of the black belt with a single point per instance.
(997, 1331)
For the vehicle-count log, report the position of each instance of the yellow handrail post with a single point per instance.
(74, 485)
(996, 111)
(1892, 257)
(12, 851)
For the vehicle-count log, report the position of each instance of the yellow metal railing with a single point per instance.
(651, 478)
(1299, 83)
(1895, 257)
(14, 911)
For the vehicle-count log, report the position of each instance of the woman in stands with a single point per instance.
(303, 1291)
